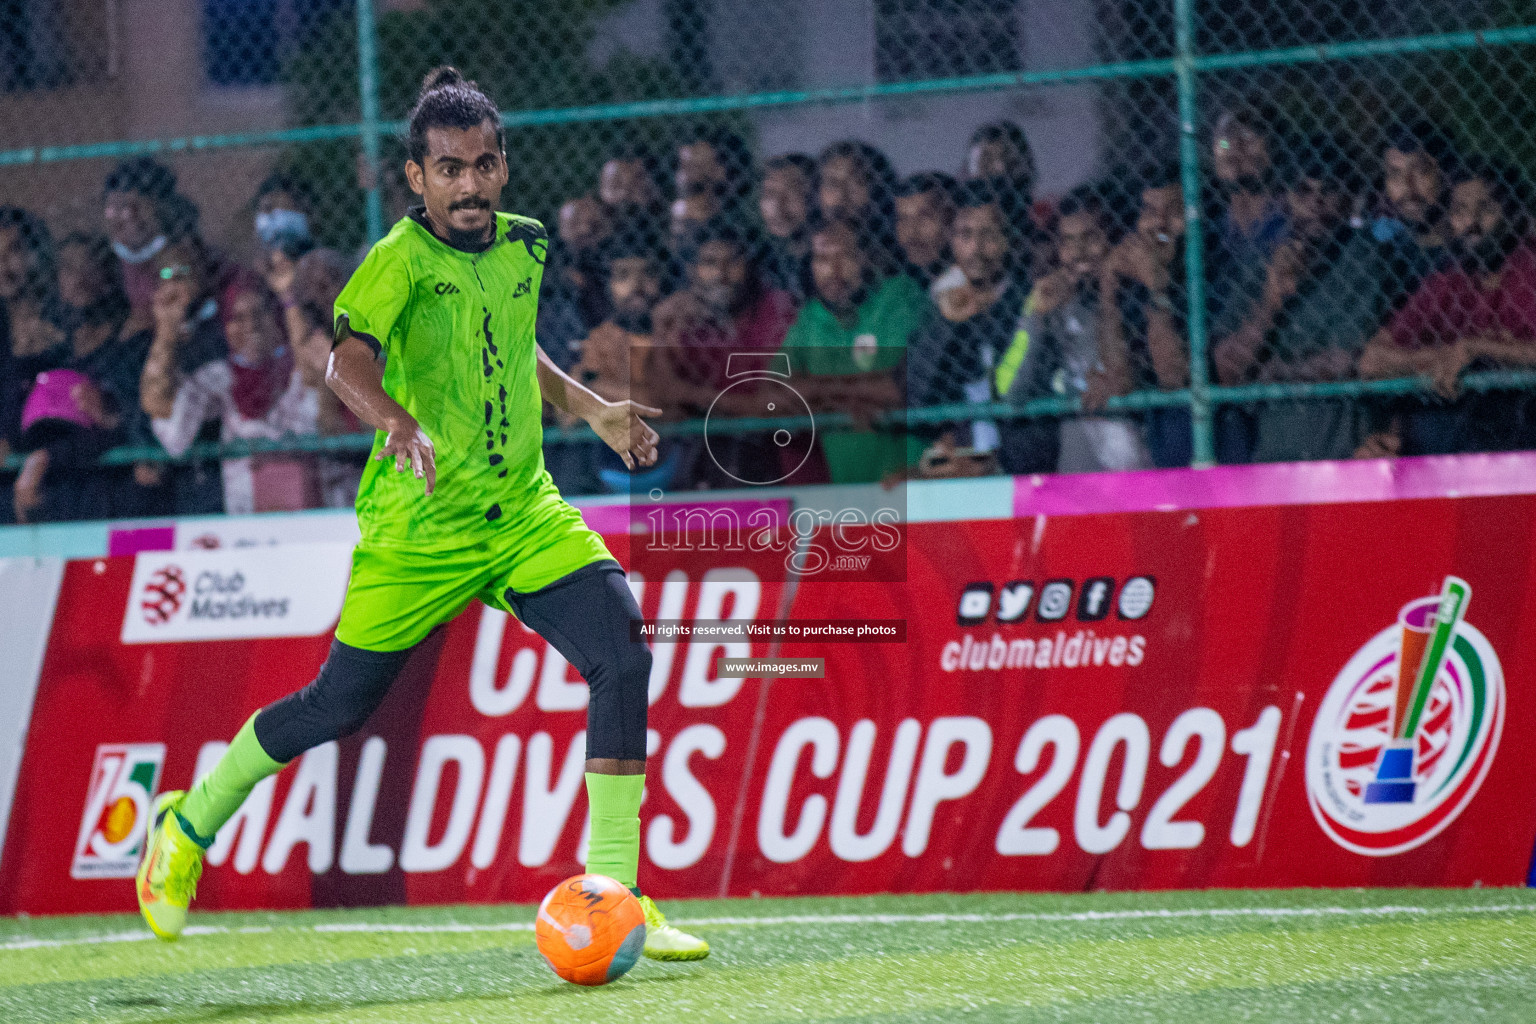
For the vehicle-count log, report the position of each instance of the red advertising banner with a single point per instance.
(466, 785)
(1290, 696)
(1157, 700)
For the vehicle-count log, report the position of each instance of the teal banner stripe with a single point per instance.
(119, 150)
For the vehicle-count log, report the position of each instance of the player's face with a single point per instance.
(178, 271)
(922, 226)
(81, 280)
(461, 178)
(719, 274)
(130, 219)
(633, 284)
(1241, 156)
(1412, 184)
(1316, 207)
(844, 190)
(626, 183)
(1161, 220)
(837, 266)
(1475, 214)
(784, 201)
(698, 168)
(252, 329)
(15, 263)
(689, 212)
(981, 245)
(279, 200)
(1081, 244)
(994, 158)
(583, 223)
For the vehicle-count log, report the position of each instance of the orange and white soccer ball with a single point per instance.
(590, 929)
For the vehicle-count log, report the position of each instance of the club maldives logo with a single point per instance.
(281, 590)
(117, 809)
(162, 594)
(1408, 730)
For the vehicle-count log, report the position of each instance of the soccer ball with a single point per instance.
(590, 929)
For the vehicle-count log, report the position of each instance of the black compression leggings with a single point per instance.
(585, 615)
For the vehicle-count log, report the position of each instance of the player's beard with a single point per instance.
(1086, 288)
(469, 239)
(635, 321)
(475, 237)
(1487, 255)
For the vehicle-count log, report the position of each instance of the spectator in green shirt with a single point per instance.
(848, 348)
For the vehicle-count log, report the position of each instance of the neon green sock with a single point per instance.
(613, 849)
(218, 795)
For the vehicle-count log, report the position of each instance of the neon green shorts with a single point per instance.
(396, 596)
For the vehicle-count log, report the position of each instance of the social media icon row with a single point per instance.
(1053, 600)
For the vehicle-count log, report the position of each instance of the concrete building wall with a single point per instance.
(810, 44)
(145, 79)
(149, 83)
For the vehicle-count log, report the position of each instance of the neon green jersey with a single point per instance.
(457, 332)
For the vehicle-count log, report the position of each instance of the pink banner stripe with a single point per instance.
(1287, 483)
(617, 518)
(144, 538)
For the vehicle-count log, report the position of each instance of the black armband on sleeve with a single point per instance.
(344, 330)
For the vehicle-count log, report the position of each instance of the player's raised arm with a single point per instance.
(617, 423)
(356, 377)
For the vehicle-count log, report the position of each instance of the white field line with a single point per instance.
(1086, 916)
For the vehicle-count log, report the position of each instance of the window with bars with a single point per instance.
(246, 41)
(36, 50)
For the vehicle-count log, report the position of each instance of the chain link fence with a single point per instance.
(1104, 235)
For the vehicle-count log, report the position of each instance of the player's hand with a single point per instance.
(280, 272)
(621, 428)
(1445, 377)
(149, 474)
(1100, 390)
(409, 446)
(172, 302)
(88, 398)
(28, 493)
(1385, 444)
(1053, 290)
(1145, 259)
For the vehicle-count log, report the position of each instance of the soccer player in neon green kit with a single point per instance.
(448, 297)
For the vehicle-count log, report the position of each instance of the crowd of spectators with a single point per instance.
(1324, 263)
(145, 336)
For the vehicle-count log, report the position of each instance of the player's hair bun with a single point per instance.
(439, 78)
(449, 100)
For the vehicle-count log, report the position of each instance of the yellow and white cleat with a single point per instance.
(167, 879)
(664, 942)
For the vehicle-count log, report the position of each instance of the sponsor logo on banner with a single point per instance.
(289, 590)
(1130, 744)
(975, 603)
(1408, 730)
(1093, 603)
(161, 598)
(1057, 600)
(117, 810)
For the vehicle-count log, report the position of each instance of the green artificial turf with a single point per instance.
(1375, 956)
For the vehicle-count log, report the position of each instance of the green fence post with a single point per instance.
(368, 94)
(1194, 233)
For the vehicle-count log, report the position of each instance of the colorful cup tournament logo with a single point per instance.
(117, 809)
(1408, 730)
